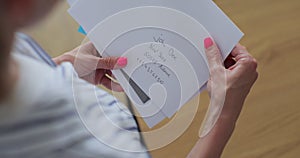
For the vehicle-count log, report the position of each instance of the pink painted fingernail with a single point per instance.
(122, 61)
(208, 42)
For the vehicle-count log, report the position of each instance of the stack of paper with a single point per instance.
(163, 41)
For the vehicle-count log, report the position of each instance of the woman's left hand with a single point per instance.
(91, 67)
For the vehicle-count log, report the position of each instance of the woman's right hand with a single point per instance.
(236, 77)
(229, 85)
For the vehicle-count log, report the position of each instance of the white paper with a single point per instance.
(90, 12)
(163, 41)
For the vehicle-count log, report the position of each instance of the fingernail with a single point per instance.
(208, 42)
(122, 61)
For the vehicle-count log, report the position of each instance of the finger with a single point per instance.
(242, 56)
(239, 50)
(108, 83)
(111, 63)
(89, 48)
(241, 53)
(248, 61)
(86, 48)
(213, 54)
(244, 66)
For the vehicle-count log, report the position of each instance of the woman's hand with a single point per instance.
(93, 68)
(229, 84)
(235, 76)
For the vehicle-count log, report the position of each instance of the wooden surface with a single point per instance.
(269, 126)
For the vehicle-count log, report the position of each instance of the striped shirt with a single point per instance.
(53, 113)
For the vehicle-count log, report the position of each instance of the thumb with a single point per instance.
(212, 52)
(110, 63)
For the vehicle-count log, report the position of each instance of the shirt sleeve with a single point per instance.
(112, 127)
(54, 113)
